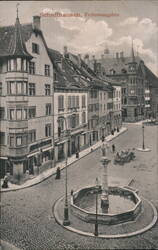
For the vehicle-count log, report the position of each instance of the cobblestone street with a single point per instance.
(27, 218)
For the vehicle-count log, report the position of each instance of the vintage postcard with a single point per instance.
(79, 124)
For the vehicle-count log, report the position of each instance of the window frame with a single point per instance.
(47, 70)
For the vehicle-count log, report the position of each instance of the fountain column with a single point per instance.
(105, 194)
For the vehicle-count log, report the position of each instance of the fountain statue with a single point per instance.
(90, 202)
(105, 195)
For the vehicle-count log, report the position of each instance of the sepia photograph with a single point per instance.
(79, 125)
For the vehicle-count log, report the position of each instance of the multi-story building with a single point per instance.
(117, 105)
(100, 110)
(26, 78)
(110, 98)
(151, 94)
(70, 112)
(132, 74)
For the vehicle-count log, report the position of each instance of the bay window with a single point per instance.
(25, 114)
(19, 87)
(12, 114)
(18, 140)
(19, 114)
(12, 88)
(11, 141)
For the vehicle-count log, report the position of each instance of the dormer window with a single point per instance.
(124, 71)
(35, 48)
(112, 71)
(131, 68)
(59, 65)
(55, 76)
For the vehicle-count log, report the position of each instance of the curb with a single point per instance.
(111, 236)
(69, 164)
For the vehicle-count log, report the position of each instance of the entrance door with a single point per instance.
(2, 168)
(73, 146)
(61, 152)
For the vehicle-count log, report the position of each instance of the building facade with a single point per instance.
(100, 100)
(70, 108)
(26, 76)
(134, 77)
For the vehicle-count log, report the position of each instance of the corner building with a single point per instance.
(26, 81)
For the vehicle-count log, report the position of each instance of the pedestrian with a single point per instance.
(5, 182)
(72, 191)
(77, 154)
(57, 173)
(103, 138)
(113, 148)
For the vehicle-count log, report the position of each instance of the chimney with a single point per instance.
(93, 58)
(86, 59)
(36, 22)
(79, 60)
(122, 55)
(117, 55)
(65, 50)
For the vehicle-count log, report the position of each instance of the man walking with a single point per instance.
(113, 148)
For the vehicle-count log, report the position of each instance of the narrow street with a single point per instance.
(29, 211)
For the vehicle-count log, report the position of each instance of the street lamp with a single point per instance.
(96, 218)
(143, 146)
(66, 221)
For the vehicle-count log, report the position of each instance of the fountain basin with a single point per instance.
(124, 205)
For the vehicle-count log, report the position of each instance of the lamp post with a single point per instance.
(96, 218)
(143, 146)
(66, 221)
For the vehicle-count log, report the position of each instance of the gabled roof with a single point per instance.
(153, 80)
(13, 38)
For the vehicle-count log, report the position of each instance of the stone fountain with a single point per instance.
(115, 204)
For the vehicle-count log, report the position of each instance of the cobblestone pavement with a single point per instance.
(26, 215)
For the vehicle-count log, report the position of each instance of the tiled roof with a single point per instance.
(8, 35)
(117, 64)
(153, 80)
(88, 73)
(65, 73)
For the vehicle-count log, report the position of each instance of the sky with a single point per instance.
(122, 22)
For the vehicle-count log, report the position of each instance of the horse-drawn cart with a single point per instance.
(124, 157)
